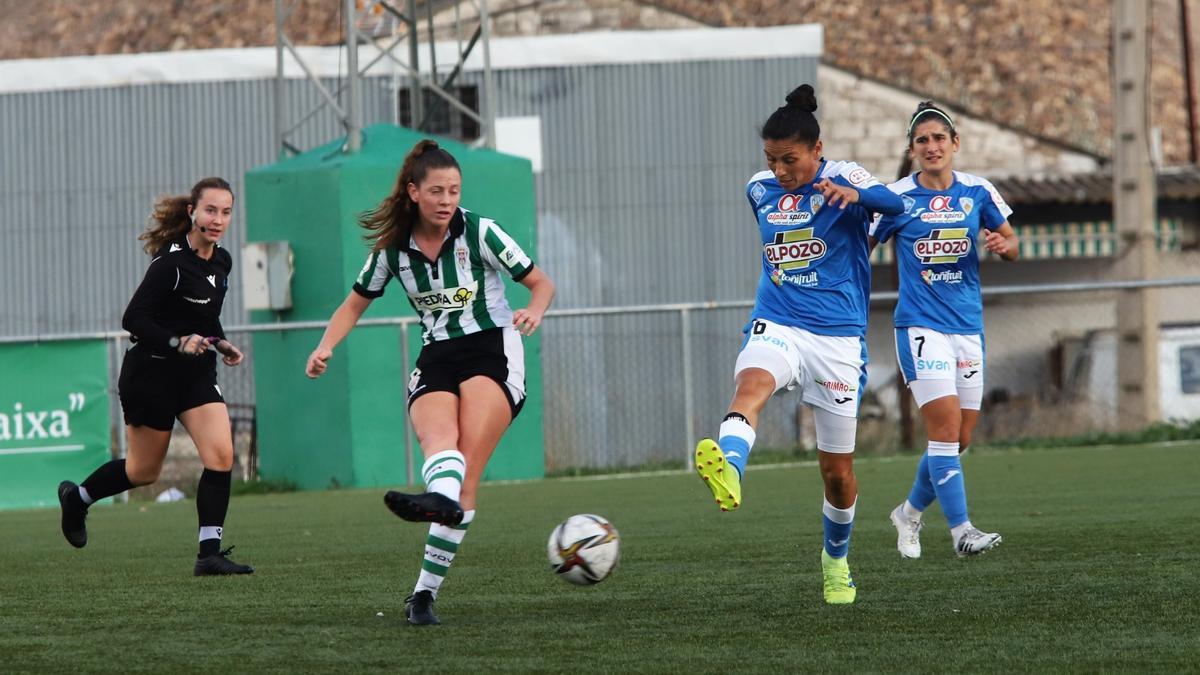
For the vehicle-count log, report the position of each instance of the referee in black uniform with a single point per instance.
(171, 369)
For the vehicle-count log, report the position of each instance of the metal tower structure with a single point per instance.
(385, 25)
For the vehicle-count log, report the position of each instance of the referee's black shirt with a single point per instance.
(181, 294)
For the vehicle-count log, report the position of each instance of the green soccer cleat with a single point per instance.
(718, 475)
(839, 587)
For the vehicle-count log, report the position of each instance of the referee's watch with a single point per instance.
(174, 342)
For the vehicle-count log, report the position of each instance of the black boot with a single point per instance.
(74, 514)
(218, 564)
(418, 607)
(427, 507)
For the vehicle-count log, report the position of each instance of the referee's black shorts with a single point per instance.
(496, 353)
(154, 388)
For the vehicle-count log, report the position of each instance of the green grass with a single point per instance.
(1097, 573)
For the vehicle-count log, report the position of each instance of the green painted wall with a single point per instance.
(346, 429)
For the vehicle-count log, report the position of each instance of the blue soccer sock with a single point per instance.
(945, 471)
(922, 493)
(838, 525)
(736, 438)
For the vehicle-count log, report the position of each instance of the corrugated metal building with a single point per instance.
(647, 140)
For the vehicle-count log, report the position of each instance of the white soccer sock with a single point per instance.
(443, 473)
(83, 494)
(957, 531)
(911, 511)
(440, 548)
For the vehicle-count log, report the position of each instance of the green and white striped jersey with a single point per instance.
(459, 293)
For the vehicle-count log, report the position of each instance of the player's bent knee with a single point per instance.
(142, 476)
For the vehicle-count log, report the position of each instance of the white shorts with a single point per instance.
(829, 370)
(937, 364)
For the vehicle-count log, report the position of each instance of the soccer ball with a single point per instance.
(584, 549)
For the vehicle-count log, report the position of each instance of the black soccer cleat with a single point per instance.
(219, 565)
(418, 607)
(427, 507)
(74, 514)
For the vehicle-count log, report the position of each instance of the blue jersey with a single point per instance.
(816, 274)
(935, 247)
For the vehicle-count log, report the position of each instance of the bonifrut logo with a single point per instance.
(950, 276)
(794, 249)
(945, 245)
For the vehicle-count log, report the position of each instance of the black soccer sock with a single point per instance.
(212, 503)
(108, 480)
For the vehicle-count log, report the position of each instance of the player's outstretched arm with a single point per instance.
(343, 319)
(541, 290)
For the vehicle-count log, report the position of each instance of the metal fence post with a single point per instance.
(404, 364)
(689, 402)
(122, 442)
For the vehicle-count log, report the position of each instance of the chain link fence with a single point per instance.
(637, 386)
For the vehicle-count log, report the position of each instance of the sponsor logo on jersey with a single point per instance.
(508, 256)
(174, 248)
(804, 280)
(946, 245)
(940, 211)
(794, 249)
(198, 301)
(757, 192)
(969, 363)
(788, 211)
(949, 276)
(455, 298)
(212, 279)
(835, 386)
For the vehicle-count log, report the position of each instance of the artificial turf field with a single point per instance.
(1099, 571)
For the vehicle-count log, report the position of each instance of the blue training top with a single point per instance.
(935, 245)
(816, 269)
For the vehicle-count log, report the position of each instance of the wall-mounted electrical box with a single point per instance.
(267, 268)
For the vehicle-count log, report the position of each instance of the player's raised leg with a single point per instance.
(765, 365)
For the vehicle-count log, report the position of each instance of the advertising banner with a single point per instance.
(54, 418)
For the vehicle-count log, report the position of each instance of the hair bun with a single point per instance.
(425, 146)
(803, 97)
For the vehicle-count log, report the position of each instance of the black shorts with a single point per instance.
(496, 353)
(154, 389)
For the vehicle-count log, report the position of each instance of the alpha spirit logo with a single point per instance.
(794, 249)
(946, 245)
(940, 211)
(790, 211)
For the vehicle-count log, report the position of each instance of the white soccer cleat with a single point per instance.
(975, 542)
(908, 533)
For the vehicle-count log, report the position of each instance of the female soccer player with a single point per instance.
(809, 321)
(170, 371)
(939, 317)
(469, 383)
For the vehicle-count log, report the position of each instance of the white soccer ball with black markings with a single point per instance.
(584, 549)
